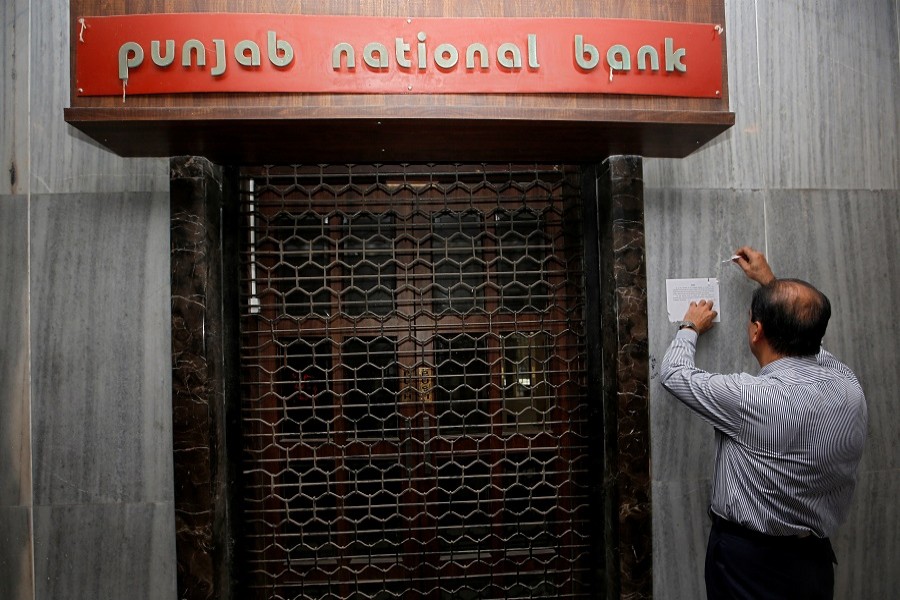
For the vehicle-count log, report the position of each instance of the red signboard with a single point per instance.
(260, 53)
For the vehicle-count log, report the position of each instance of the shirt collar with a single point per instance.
(788, 363)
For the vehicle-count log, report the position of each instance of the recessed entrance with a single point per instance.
(414, 383)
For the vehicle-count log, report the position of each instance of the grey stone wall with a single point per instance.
(86, 507)
(810, 173)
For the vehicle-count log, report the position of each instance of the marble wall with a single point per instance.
(86, 507)
(810, 173)
(16, 548)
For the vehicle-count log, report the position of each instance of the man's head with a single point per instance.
(793, 315)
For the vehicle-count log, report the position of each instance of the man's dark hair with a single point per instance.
(794, 315)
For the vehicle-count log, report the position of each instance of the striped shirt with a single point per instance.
(788, 440)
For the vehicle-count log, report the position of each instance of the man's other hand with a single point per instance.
(754, 265)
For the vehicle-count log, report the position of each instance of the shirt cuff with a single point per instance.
(687, 334)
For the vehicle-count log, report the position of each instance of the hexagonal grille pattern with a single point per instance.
(413, 383)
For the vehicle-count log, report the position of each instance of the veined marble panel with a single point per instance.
(14, 96)
(734, 159)
(867, 546)
(105, 551)
(16, 582)
(689, 233)
(680, 533)
(846, 244)
(62, 158)
(15, 428)
(101, 351)
(830, 82)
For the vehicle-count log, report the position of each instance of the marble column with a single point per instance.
(199, 380)
(624, 367)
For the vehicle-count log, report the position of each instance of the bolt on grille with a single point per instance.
(413, 383)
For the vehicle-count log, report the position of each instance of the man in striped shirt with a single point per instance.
(788, 441)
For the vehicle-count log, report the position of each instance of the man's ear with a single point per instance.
(756, 333)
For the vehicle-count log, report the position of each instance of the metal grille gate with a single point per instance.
(413, 383)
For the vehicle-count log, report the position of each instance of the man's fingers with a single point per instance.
(701, 302)
(746, 255)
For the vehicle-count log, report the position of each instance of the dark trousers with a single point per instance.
(746, 565)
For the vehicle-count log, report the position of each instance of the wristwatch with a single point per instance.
(691, 324)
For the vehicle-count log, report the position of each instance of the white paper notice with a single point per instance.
(681, 292)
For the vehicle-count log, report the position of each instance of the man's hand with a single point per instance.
(701, 314)
(754, 265)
